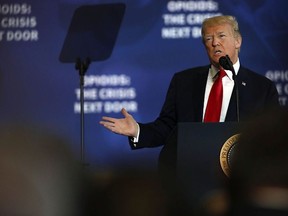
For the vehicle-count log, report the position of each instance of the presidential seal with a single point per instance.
(226, 153)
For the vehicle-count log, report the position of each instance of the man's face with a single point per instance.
(219, 41)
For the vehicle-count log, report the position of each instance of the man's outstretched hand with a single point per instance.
(125, 126)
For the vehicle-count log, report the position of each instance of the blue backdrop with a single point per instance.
(156, 39)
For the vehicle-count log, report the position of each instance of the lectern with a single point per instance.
(204, 154)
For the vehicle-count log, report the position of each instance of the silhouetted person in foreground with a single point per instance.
(39, 175)
(259, 174)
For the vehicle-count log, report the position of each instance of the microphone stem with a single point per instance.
(237, 99)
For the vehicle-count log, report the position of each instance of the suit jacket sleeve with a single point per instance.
(256, 94)
(183, 102)
(154, 134)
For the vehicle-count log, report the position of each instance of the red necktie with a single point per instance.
(213, 109)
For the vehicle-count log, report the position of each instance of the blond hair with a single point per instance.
(220, 20)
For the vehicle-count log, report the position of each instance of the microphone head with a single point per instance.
(224, 62)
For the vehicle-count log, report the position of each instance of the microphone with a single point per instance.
(226, 63)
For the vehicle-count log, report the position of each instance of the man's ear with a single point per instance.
(238, 42)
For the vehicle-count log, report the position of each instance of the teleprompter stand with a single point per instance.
(91, 37)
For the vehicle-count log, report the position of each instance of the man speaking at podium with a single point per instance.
(223, 91)
(188, 100)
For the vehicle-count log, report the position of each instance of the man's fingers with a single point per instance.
(108, 119)
(110, 126)
(107, 124)
(124, 112)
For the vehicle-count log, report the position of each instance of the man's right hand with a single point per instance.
(125, 126)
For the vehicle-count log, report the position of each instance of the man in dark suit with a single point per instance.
(188, 93)
(187, 98)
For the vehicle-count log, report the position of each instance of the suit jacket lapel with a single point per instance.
(241, 81)
(200, 93)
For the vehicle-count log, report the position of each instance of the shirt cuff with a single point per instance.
(136, 139)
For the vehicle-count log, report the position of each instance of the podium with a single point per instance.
(204, 154)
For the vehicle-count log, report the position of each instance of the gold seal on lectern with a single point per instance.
(226, 153)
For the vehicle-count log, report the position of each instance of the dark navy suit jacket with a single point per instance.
(184, 103)
(185, 98)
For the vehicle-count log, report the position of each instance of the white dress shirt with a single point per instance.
(228, 84)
